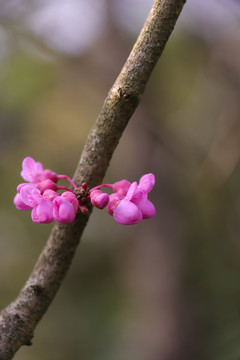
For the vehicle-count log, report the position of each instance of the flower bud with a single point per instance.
(69, 196)
(46, 185)
(63, 210)
(99, 199)
(121, 187)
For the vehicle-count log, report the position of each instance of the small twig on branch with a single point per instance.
(19, 319)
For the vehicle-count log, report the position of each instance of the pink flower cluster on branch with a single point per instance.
(40, 194)
(128, 203)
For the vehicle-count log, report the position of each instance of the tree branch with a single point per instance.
(19, 319)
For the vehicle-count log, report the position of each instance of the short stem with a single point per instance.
(64, 188)
(68, 179)
(101, 186)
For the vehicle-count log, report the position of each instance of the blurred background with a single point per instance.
(167, 288)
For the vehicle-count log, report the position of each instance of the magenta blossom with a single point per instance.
(129, 203)
(42, 209)
(125, 211)
(70, 197)
(30, 195)
(20, 205)
(121, 187)
(99, 199)
(147, 182)
(33, 171)
(114, 200)
(43, 212)
(46, 185)
(49, 206)
(135, 206)
(50, 194)
(63, 210)
(40, 192)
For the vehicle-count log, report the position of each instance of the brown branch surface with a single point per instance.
(19, 319)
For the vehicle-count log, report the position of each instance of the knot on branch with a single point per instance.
(127, 97)
(36, 289)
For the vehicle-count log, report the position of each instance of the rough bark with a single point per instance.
(19, 319)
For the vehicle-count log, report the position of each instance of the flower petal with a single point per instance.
(114, 200)
(50, 195)
(131, 191)
(30, 195)
(34, 215)
(121, 187)
(45, 185)
(47, 174)
(138, 196)
(69, 196)
(63, 210)
(127, 213)
(20, 205)
(147, 182)
(147, 209)
(30, 168)
(44, 211)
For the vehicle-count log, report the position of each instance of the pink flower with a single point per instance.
(69, 196)
(127, 213)
(147, 182)
(33, 171)
(30, 195)
(146, 207)
(99, 199)
(42, 209)
(128, 203)
(135, 206)
(50, 194)
(124, 211)
(46, 185)
(63, 210)
(43, 212)
(114, 200)
(20, 205)
(47, 207)
(20, 186)
(40, 195)
(121, 187)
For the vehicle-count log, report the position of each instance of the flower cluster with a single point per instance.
(128, 203)
(40, 194)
